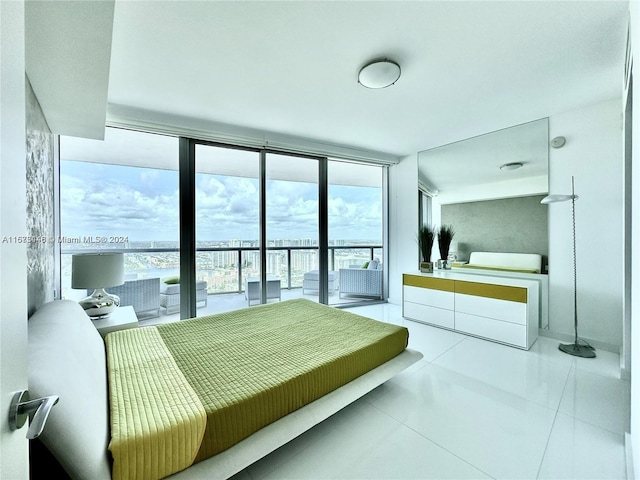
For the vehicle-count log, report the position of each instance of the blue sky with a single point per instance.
(142, 204)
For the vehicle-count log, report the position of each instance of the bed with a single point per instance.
(510, 262)
(290, 365)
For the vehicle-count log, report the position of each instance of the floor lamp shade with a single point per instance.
(98, 271)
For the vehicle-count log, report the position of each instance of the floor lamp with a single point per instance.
(579, 350)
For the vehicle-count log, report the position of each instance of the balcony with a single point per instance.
(225, 269)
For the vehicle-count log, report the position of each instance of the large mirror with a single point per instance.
(489, 189)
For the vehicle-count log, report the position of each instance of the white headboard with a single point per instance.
(67, 358)
(524, 261)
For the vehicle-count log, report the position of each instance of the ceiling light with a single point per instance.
(511, 166)
(379, 74)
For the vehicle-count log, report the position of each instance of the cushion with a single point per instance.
(171, 280)
(373, 264)
(174, 289)
(170, 289)
(313, 275)
(523, 261)
(365, 264)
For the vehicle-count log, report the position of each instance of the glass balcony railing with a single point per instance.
(225, 269)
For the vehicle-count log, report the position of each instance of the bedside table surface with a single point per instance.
(120, 319)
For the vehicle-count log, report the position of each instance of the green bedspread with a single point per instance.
(247, 368)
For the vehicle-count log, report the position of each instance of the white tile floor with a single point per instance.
(470, 409)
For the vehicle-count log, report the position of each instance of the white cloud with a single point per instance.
(227, 207)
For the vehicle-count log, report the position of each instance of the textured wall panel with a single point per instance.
(512, 225)
(40, 209)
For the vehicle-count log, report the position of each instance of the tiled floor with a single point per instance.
(470, 409)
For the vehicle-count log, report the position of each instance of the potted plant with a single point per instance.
(445, 236)
(426, 236)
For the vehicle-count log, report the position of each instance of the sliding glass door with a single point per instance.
(227, 203)
(355, 224)
(292, 228)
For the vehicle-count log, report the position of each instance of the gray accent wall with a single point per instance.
(40, 205)
(512, 225)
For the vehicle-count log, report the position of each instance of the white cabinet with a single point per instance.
(429, 299)
(481, 306)
(492, 329)
(433, 315)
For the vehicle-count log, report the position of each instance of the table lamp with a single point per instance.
(98, 271)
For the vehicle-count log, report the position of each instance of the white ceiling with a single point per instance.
(477, 161)
(67, 52)
(291, 67)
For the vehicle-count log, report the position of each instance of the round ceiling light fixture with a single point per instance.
(379, 74)
(511, 166)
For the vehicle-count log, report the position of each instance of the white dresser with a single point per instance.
(504, 310)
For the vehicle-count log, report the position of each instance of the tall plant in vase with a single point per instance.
(426, 236)
(445, 236)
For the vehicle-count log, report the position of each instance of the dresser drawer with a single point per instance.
(426, 296)
(427, 314)
(513, 312)
(497, 330)
(432, 283)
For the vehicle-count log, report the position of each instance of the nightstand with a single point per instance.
(120, 319)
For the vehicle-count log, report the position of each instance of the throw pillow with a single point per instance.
(373, 264)
(171, 280)
(365, 265)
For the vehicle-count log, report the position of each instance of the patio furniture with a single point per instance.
(142, 294)
(310, 282)
(362, 281)
(252, 289)
(170, 296)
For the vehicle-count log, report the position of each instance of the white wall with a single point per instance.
(403, 223)
(13, 256)
(593, 155)
(635, 267)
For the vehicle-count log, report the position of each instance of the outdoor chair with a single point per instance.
(360, 281)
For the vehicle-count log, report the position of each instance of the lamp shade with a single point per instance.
(557, 198)
(97, 270)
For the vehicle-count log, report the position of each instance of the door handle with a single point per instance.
(37, 410)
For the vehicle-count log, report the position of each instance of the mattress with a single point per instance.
(182, 392)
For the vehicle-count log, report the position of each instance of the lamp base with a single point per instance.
(99, 303)
(584, 351)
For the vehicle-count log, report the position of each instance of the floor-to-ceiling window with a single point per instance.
(120, 194)
(267, 226)
(355, 223)
(227, 205)
(292, 225)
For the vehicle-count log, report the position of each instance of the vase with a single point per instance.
(426, 267)
(444, 264)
